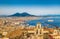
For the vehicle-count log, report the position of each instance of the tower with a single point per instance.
(39, 26)
(39, 33)
(38, 29)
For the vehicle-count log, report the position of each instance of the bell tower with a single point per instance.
(38, 29)
(39, 26)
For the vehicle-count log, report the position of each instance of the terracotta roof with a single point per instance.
(48, 29)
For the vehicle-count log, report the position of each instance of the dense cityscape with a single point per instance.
(17, 28)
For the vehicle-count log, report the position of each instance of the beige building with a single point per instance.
(33, 32)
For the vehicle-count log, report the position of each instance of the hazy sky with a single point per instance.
(36, 7)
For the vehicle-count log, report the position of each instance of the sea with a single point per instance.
(46, 21)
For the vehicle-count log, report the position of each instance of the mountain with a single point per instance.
(21, 14)
(25, 14)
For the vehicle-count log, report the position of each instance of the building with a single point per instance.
(34, 32)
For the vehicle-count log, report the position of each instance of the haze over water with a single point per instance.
(44, 21)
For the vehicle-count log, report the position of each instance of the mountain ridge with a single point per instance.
(24, 14)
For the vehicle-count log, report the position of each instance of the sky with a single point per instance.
(35, 7)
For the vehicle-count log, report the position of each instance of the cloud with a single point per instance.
(36, 10)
